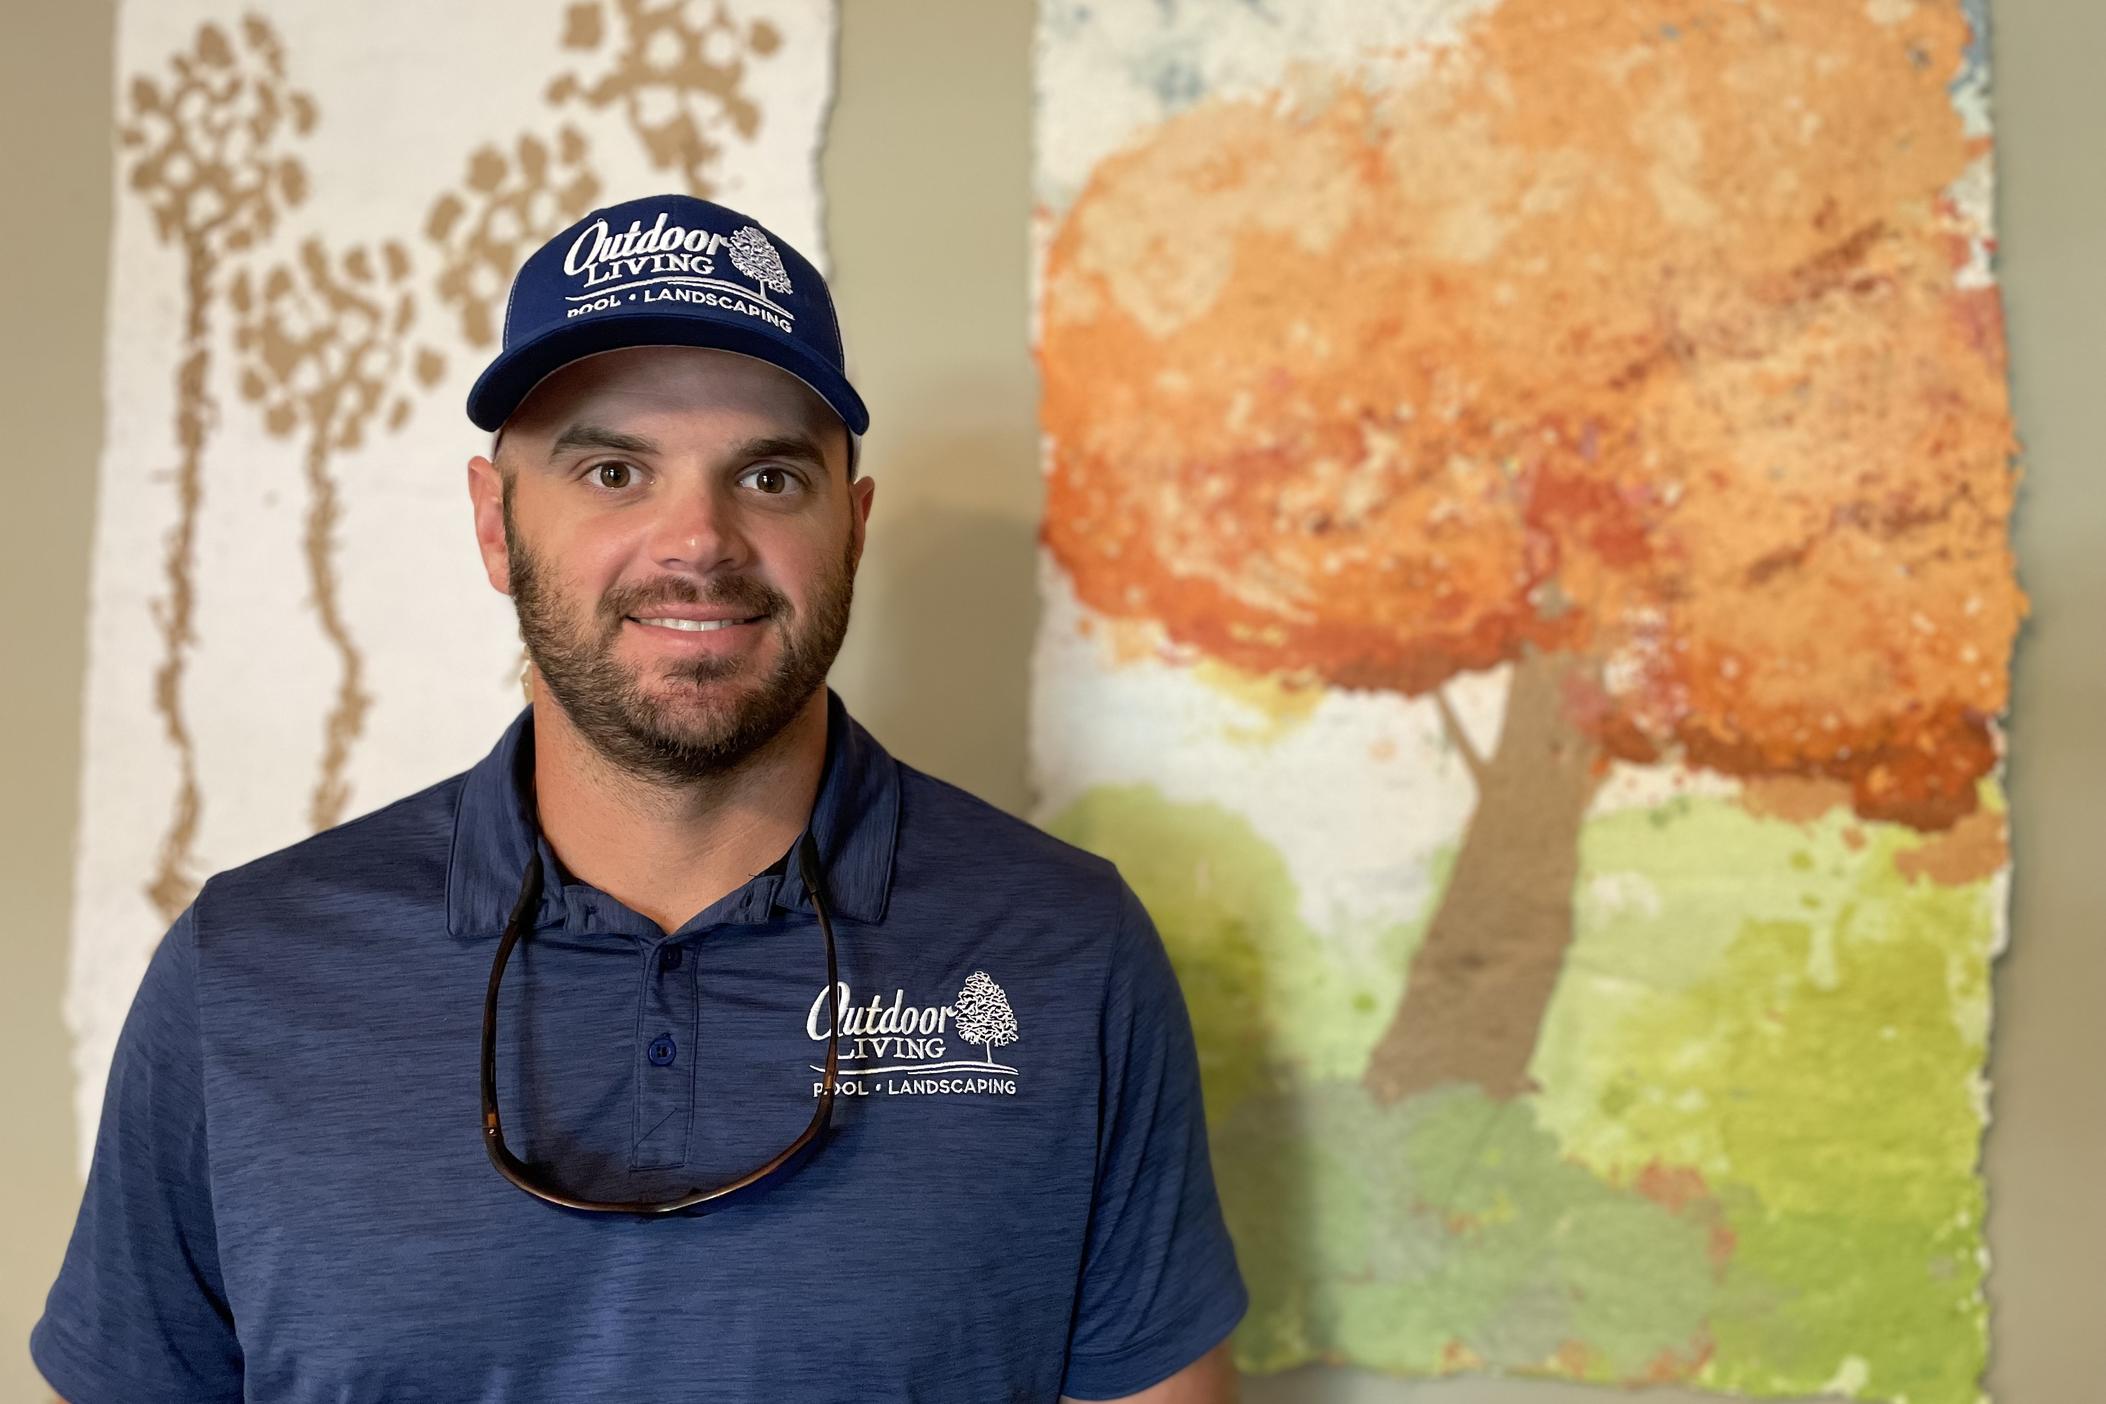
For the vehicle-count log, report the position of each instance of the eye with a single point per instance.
(613, 474)
(772, 481)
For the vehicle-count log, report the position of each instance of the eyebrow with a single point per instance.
(801, 447)
(579, 436)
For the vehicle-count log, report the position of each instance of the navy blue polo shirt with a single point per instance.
(290, 1200)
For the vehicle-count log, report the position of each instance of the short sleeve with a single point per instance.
(1159, 1286)
(139, 1310)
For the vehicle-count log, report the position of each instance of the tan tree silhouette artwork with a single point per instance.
(325, 352)
(1638, 364)
(205, 146)
(983, 1015)
(677, 71)
(508, 204)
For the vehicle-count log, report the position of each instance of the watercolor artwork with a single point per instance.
(1528, 601)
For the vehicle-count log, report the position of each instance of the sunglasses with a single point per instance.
(778, 1167)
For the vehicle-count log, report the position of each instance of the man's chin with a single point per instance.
(677, 704)
(685, 703)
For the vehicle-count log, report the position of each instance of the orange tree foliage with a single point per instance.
(1637, 342)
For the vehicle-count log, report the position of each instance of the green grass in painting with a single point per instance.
(1752, 1163)
(1226, 908)
(1823, 1077)
(1449, 1230)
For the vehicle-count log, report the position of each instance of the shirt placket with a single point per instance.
(666, 1027)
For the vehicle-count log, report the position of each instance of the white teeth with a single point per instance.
(695, 626)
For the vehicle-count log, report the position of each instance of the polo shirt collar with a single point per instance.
(854, 823)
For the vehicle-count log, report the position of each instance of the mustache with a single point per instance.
(752, 597)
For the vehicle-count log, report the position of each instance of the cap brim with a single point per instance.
(503, 387)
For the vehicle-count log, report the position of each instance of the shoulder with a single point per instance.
(941, 823)
(1064, 906)
(402, 847)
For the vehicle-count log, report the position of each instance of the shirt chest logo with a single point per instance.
(902, 1049)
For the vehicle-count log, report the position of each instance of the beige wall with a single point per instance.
(932, 132)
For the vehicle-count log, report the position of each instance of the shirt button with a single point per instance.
(669, 958)
(662, 1050)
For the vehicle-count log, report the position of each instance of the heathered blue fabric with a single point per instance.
(290, 1201)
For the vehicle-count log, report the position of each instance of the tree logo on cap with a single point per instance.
(754, 256)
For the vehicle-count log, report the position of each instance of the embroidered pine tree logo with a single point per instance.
(983, 1015)
(754, 256)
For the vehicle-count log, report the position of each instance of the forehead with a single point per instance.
(673, 387)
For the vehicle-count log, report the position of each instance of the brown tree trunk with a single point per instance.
(174, 882)
(1480, 982)
(347, 718)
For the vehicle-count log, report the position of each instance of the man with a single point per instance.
(1000, 1191)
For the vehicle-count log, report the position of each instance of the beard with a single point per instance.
(682, 733)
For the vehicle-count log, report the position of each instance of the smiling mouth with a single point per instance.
(694, 626)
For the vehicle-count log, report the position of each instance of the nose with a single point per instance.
(697, 529)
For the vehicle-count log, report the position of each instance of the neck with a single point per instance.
(669, 850)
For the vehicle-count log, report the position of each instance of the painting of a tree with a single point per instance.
(507, 204)
(208, 148)
(1642, 366)
(677, 72)
(325, 351)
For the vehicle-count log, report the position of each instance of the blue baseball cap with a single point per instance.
(666, 270)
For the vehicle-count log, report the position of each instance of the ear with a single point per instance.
(486, 491)
(860, 494)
